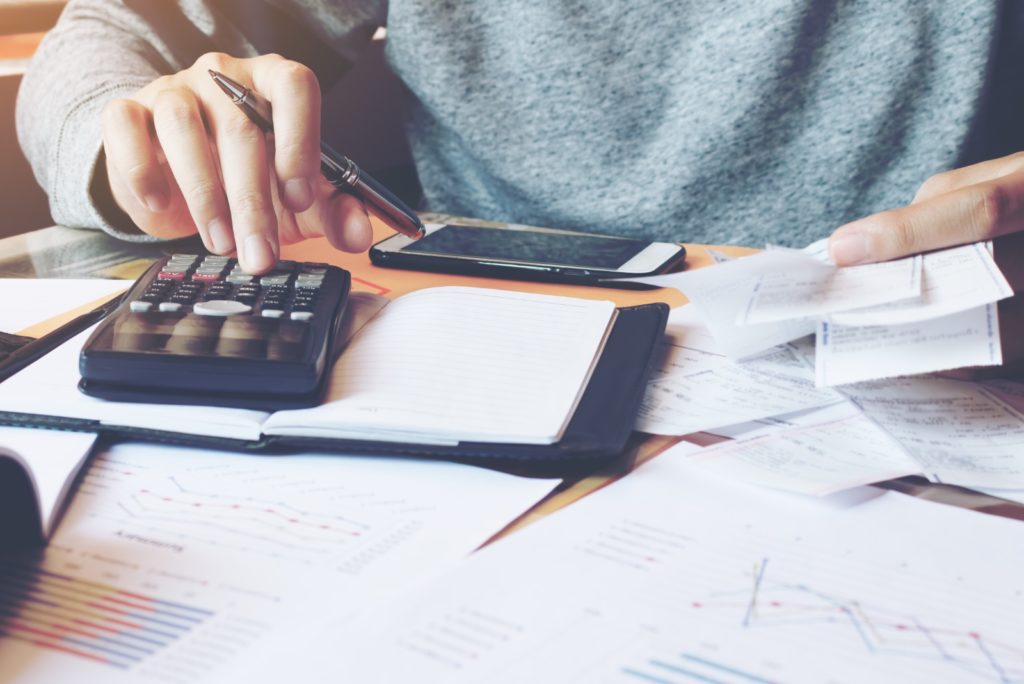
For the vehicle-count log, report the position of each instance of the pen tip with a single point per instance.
(213, 74)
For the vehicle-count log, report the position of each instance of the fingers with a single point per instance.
(181, 157)
(294, 92)
(242, 150)
(981, 211)
(129, 147)
(339, 217)
(182, 134)
(955, 179)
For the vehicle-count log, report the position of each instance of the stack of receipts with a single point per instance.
(904, 317)
(788, 434)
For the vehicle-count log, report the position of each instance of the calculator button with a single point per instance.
(169, 275)
(274, 280)
(170, 307)
(239, 278)
(272, 313)
(206, 277)
(302, 315)
(139, 306)
(313, 270)
(221, 307)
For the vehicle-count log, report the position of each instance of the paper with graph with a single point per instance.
(670, 576)
(178, 565)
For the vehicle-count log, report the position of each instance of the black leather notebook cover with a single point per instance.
(596, 434)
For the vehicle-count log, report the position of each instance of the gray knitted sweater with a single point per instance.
(724, 121)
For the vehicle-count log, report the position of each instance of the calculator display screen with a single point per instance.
(247, 337)
(529, 246)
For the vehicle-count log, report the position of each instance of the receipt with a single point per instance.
(695, 390)
(846, 354)
(959, 432)
(815, 291)
(818, 453)
(953, 280)
(722, 292)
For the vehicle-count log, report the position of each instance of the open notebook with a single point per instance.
(467, 373)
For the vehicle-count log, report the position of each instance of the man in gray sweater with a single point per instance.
(722, 122)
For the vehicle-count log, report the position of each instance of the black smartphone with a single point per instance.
(527, 254)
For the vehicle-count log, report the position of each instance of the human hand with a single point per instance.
(182, 158)
(984, 201)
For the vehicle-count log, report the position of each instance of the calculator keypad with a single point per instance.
(217, 286)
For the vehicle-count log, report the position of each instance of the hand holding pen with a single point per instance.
(182, 158)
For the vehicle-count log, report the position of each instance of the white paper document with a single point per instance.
(672, 576)
(180, 566)
(722, 292)
(817, 453)
(815, 291)
(910, 316)
(27, 301)
(702, 392)
(959, 432)
(847, 354)
(954, 280)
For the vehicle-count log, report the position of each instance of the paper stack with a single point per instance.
(820, 414)
(905, 317)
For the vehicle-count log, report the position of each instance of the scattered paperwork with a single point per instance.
(671, 576)
(959, 432)
(847, 354)
(698, 388)
(181, 565)
(820, 289)
(907, 316)
(816, 452)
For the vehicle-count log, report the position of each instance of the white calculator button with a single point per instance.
(221, 307)
(140, 307)
(170, 307)
(272, 313)
(302, 315)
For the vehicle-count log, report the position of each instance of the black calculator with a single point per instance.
(197, 329)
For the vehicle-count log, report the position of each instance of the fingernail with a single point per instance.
(849, 248)
(220, 236)
(297, 193)
(259, 256)
(155, 202)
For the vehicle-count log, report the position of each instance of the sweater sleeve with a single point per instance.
(101, 50)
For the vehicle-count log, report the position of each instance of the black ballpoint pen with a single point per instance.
(341, 171)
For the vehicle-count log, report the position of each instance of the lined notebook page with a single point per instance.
(454, 364)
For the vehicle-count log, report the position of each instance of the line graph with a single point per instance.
(795, 610)
(265, 511)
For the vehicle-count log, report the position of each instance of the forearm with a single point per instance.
(102, 50)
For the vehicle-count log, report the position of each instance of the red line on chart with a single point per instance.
(258, 509)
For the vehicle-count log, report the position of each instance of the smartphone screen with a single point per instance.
(529, 246)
